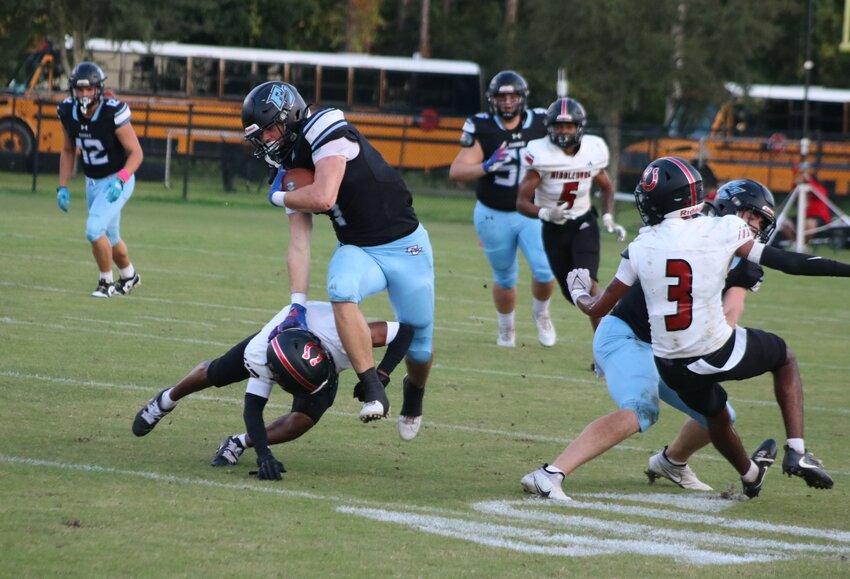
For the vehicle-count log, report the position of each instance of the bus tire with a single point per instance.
(17, 145)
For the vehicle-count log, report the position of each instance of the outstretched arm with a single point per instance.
(792, 263)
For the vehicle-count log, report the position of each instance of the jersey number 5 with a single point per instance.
(568, 195)
(681, 293)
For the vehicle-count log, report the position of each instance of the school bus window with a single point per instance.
(304, 77)
(267, 72)
(397, 90)
(204, 81)
(110, 63)
(143, 75)
(238, 80)
(171, 75)
(334, 86)
(366, 87)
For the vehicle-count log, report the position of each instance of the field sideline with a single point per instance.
(83, 497)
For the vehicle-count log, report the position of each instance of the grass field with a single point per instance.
(82, 497)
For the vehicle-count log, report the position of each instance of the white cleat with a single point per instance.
(506, 338)
(545, 330)
(372, 411)
(660, 467)
(408, 427)
(544, 484)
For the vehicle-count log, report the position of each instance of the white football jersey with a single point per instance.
(565, 178)
(682, 266)
(320, 321)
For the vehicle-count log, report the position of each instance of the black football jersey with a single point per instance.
(499, 190)
(100, 150)
(632, 308)
(374, 205)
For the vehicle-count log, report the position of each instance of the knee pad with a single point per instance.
(645, 410)
(94, 231)
(344, 287)
(419, 356)
(506, 278)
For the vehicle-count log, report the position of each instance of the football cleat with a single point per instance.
(545, 330)
(150, 414)
(807, 467)
(125, 285)
(682, 475)
(373, 410)
(506, 337)
(104, 289)
(228, 452)
(764, 456)
(544, 484)
(408, 427)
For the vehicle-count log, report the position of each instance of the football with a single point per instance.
(297, 178)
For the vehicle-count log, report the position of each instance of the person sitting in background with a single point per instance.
(817, 212)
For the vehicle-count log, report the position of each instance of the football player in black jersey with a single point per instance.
(382, 245)
(492, 145)
(111, 154)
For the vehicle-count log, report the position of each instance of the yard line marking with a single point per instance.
(595, 537)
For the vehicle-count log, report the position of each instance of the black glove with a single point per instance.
(270, 468)
(358, 388)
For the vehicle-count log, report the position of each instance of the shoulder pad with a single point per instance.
(324, 126)
(482, 116)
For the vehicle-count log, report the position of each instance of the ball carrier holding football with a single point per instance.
(559, 172)
(382, 245)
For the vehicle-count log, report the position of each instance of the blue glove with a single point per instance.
(63, 198)
(116, 188)
(296, 318)
(497, 159)
(277, 185)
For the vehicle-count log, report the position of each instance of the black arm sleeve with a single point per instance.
(802, 263)
(254, 424)
(397, 349)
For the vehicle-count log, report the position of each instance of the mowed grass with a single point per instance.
(81, 496)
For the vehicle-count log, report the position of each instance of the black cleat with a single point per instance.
(807, 467)
(125, 285)
(764, 456)
(228, 452)
(149, 415)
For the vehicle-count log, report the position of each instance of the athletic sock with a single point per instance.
(107, 276)
(797, 445)
(539, 306)
(505, 320)
(127, 272)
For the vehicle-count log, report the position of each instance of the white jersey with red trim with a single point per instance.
(565, 178)
(682, 266)
(320, 321)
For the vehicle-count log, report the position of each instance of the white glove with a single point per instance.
(612, 227)
(579, 283)
(554, 214)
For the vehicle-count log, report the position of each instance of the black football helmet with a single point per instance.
(669, 187)
(299, 363)
(743, 194)
(267, 104)
(566, 110)
(507, 82)
(86, 74)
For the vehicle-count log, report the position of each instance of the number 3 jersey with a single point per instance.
(101, 151)
(682, 266)
(564, 178)
(498, 190)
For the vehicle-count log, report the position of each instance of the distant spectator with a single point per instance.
(817, 212)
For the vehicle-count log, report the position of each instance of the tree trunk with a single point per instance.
(424, 30)
(511, 7)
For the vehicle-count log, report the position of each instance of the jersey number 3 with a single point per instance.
(681, 293)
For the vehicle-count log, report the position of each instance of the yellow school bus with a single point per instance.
(757, 134)
(186, 96)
